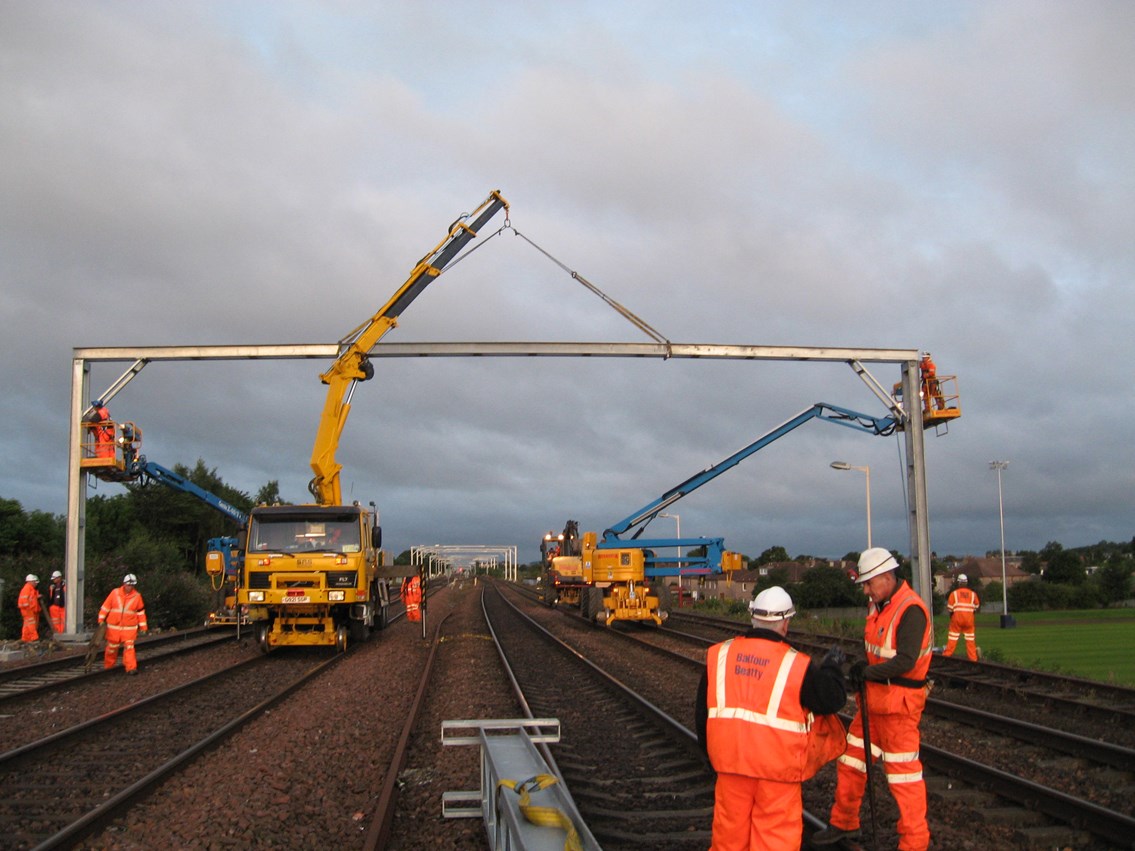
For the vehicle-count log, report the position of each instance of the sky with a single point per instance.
(949, 177)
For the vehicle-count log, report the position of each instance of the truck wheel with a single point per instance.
(341, 639)
(262, 638)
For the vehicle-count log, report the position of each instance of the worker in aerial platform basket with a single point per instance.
(962, 604)
(897, 640)
(765, 717)
(99, 423)
(124, 614)
(29, 606)
(931, 386)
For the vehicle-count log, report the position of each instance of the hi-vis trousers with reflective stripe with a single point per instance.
(894, 742)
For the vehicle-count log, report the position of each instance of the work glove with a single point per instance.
(835, 657)
(857, 675)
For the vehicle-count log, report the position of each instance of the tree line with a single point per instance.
(151, 530)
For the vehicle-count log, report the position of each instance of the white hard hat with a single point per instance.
(31, 577)
(56, 575)
(962, 578)
(875, 562)
(772, 604)
(129, 579)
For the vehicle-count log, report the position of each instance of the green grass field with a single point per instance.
(1095, 644)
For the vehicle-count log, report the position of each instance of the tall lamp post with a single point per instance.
(843, 465)
(677, 534)
(677, 529)
(1006, 620)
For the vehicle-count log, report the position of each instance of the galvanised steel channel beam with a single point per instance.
(141, 355)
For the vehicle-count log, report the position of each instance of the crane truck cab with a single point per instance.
(313, 575)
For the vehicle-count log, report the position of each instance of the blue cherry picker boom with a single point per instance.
(618, 575)
(112, 453)
(313, 574)
(223, 554)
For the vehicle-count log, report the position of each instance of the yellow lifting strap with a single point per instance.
(544, 816)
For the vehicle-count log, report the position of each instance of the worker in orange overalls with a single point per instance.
(897, 640)
(754, 715)
(412, 597)
(57, 601)
(103, 429)
(29, 606)
(931, 387)
(124, 614)
(962, 604)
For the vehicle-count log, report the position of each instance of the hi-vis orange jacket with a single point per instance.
(124, 611)
(756, 726)
(879, 642)
(29, 600)
(963, 600)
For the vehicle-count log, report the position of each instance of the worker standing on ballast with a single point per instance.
(897, 640)
(29, 606)
(412, 597)
(962, 604)
(124, 614)
(57, 601)
(754, 714)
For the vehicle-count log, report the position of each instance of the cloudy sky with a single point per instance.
(951, 177)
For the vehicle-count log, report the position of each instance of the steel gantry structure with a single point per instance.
(465, 555)
(908, 409)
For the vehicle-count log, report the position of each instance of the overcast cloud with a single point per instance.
(950, 177)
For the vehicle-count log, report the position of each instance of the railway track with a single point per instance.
(43, 676)
(636, 774)
(1057, 786)
(111, 760)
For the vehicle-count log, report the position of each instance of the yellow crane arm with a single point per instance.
(353, 363)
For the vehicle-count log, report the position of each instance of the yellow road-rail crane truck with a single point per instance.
(313, 574)
(622, 578)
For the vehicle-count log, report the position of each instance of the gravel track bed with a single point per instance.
(25, 719)
(308, 774)
(468, 682)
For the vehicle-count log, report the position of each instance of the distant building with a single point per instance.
(740, 584)
(985, 569)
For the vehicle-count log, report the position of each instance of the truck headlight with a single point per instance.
(256, 596)
(336, 596)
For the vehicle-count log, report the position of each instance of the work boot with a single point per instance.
(132, 671)
(831, 834)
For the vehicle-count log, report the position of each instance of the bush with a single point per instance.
(173, 597)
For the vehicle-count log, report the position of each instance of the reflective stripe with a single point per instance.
(765, 719)
(913, 777)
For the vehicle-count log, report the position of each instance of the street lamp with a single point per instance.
(1006, 620)
(843, 465)
(677, 529)
(677, 534)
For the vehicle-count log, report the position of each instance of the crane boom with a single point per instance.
(821, 410)
(353, 365)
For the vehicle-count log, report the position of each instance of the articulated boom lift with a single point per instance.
(224, 554)
(616, 575)
(111, 452)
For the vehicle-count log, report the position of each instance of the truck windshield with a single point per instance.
(292, 534)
